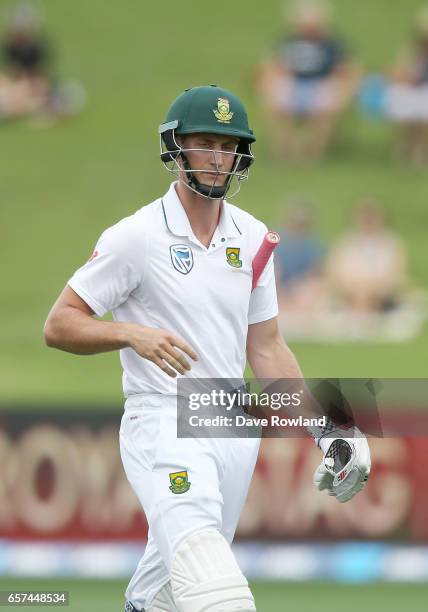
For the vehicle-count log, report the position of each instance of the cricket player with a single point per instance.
(177, 276)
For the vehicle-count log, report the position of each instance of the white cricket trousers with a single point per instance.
(219, 472)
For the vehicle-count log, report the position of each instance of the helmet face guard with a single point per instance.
(174, 158)
(207, 110)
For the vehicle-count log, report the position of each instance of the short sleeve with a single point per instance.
(263, 301)
(114, 270)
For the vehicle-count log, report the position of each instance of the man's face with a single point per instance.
(204, 159)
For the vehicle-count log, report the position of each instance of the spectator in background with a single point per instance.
(366, 267)
(307, 83)
(26, 85)
(407, 96)
(299, 259)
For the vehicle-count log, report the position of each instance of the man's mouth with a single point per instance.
(212, 176)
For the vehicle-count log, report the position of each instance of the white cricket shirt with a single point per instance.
(151, 269)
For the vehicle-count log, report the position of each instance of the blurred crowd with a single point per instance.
(28, 85)
(357, 287)
(311, 77)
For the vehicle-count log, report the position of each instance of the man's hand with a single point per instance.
(345, 467)
(160, 347)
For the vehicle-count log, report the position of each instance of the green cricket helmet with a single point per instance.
(213, 110)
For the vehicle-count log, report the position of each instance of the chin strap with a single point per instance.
(209, 191)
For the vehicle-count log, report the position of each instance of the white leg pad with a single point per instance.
(205, 576)
(164, 601)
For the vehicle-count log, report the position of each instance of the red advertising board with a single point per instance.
(61, 478)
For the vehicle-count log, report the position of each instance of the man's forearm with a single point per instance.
(276, 361)
(75, 332)
(277, 370)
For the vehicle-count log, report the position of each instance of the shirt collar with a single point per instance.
(178, 222)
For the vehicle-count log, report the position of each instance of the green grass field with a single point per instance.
(61, 186)
(107, 595)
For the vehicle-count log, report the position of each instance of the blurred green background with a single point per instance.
(61, 186)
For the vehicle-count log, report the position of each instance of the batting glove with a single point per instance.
(345, 467)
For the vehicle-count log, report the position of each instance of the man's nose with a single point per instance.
(218, 159)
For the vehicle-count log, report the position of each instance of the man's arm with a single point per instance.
(272, 361)
(71, 327)
(268, 354)
(270, 358)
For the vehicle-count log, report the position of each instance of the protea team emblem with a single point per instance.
(181, 257)
(179, 482)
(232, 257)
(223, 113)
